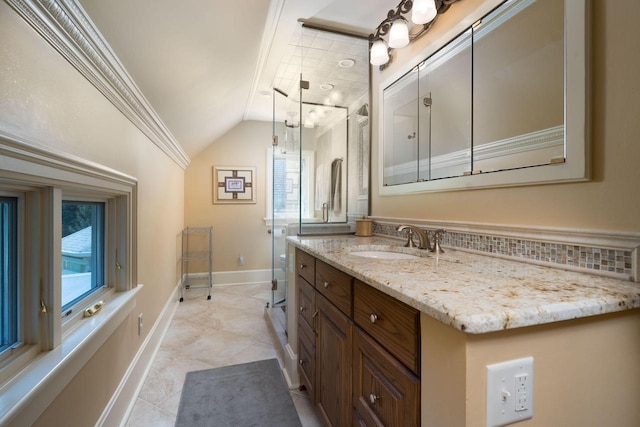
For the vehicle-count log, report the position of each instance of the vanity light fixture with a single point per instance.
(396, 26)
(424, 11)
(399, 34)
(379, 53)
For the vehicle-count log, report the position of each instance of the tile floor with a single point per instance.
(226, 330)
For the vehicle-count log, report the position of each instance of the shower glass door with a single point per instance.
(285, 169)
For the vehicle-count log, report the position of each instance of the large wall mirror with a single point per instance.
(503, 103)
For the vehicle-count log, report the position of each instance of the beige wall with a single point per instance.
(610, 201)
(237, 229)
(586, 371)
(44, 100)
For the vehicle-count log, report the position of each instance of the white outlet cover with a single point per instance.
(506, 404)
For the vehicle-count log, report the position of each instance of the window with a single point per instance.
(8, 272)
(82, 250)
(67, 242)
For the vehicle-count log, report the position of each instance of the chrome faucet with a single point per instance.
(423, 237)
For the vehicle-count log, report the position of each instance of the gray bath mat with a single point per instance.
(250, 394)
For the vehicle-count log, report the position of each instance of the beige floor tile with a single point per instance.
(147, 415)
(228, 329)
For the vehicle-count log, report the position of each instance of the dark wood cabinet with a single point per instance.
(385, 392)
(333, 364)
(392, 323)
(335, 285)
(358, 349)
(306, 335)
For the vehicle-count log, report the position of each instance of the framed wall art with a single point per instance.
(234, 184)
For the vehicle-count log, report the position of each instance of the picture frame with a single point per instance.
(233, 185)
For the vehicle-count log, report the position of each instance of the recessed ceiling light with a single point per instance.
(326, 86)
(265, 93)
(346, 63)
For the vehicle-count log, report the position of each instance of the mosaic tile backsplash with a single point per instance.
(586, 257)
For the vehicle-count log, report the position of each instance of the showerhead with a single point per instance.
(363, 111)
(427, 101)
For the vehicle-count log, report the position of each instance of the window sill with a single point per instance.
(25, 397)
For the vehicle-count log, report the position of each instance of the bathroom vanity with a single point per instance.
(406, 342)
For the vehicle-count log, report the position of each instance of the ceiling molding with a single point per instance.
(67, 27)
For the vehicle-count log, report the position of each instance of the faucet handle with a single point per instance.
(410, 243)
(437, 236)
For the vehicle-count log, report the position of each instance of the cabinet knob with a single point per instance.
(373, 398)
(373, 318)
(301, 362)
(302, 266)
(326, 285)
(302, 308)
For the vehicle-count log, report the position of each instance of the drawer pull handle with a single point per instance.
(373, 318)
(314, 319)
(302, 266)
(326, 284)
(302, 309)
(373, 398)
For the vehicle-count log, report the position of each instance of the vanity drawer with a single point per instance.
(334, 285)
(395, 325)
(305, 265)
(307, 360)
(306, 303)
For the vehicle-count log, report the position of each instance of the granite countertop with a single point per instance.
(471, 292)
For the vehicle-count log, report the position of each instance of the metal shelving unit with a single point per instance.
(197, 252)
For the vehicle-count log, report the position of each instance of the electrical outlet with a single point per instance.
(509, 392)
(241, 259)
(140, 324)
(522, 392)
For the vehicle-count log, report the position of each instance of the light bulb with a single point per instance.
(399, 34)
(423, 11)
(379, 53)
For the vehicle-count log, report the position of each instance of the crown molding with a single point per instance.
(68, 28)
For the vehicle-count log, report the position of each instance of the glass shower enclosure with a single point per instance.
(321, 154)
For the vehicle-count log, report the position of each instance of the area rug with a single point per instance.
(249, 394)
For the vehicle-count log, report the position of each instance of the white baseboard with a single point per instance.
(244, 277)
(120, 406)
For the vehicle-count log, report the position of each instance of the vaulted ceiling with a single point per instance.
(205, 65)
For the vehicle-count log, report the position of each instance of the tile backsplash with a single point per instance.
(591, 258)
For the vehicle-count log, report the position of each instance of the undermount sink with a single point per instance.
(384, 255)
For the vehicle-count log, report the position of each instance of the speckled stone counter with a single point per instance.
(475, 293)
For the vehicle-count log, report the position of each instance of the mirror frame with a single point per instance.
(577, 165)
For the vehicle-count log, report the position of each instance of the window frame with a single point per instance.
(102, 271)
(13, 239)
(41, 178)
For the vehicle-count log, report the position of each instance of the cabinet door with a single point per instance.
(385, 392)
(333, 364)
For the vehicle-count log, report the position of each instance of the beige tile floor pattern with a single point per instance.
(226, 330)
